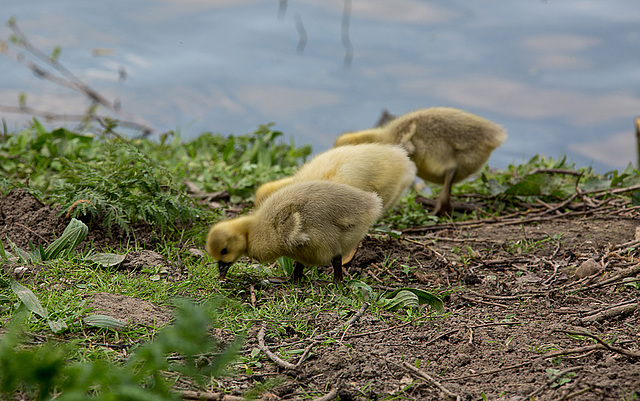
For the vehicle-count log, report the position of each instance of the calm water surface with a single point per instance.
(562, 76)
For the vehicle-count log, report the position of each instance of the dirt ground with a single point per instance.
(519, 322)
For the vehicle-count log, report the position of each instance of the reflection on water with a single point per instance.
(561, 76)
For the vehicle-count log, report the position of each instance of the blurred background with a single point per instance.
(562, 76)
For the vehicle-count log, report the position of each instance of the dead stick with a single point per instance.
(358, 315)
(329, 396)
(553, 171)
(484, 302)
(501, 297)
(610, 307)
(610, 313)
(448, 394)
(306, 352)
(275, 358)
(628, 272)
(577, 393)
(207, 396)
(351, 321)
(448, 333)
(602, 343)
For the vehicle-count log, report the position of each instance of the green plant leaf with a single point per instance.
(75, 232)
(395, 299)
(399, 299)
(57, 325)
(286, 264)
(106, 259)
(28, 298)
(104, 321)
(525, 188)
(25, 256)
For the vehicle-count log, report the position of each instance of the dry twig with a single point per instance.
(275, 358)
(449, 395)
(609, 312)
(602, 344)
(208, 396)
(329, 396)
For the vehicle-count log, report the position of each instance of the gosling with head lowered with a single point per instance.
(383, 169)
(314, 223)
(446, 144)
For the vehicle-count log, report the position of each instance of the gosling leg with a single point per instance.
(336, 262)
(298, 272)
(443, 207)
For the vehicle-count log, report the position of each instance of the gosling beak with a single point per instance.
(223, 268)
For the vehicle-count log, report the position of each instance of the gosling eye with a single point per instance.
(224, 251)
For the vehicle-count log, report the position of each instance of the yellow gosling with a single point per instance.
(383, 169)
(446, 144)
(314, 223)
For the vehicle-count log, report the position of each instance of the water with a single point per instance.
(561, 76)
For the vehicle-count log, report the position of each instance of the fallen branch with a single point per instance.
(275, 358)
(628, 272)
(611, 312)
(315, 340)
(448, 394)
(351, 321)
(329, 396)
(483, 302)
(602, 344)
(208, 396)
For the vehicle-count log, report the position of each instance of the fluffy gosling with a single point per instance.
(446, 144)
(314, 223)
(383, 169)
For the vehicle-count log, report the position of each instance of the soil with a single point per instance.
(516, 316)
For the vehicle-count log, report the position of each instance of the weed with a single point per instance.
(38, 371)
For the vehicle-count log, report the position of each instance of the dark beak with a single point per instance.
(223, 268)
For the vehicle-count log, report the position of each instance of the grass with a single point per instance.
(131, 181)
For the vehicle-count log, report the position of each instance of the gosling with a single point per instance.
(383, 169)
(446, 144)
(314, 223)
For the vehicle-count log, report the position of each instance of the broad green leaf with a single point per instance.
(399, 299)
(106, 259)
(423, 297)
(286, 264)
(595, 184)
(525, 188)
(4, 298)
(28, 298)
(56, 325)
(75, 232)
(104, 321)
(495, 188)
(635, 198)
(40, 130)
